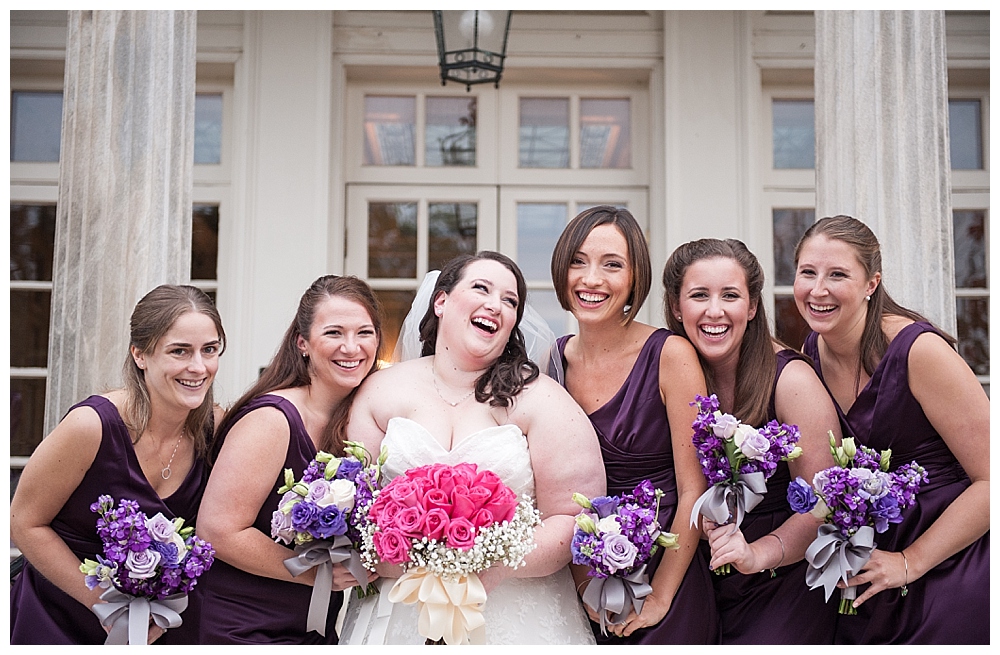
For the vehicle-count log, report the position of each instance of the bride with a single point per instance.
(475, 396)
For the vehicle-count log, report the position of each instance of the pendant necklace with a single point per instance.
(165, 473)
(441, 395)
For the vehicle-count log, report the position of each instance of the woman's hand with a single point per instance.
(654, 608)
(884, 570)
(729, 546)
(343, 579)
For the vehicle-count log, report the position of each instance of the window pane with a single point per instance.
(538, 228)
(605, 135)
(451, 132)
(970, 249)
(392, 239)
(389, 130)
(789, 226)
(395, 306)
(32, 241)
(544, 133)
(793, 133)
(37, 124)
(27, 415)
(29, 327)
(204, 242)
(965, 125)
(789, 326)
(546, 304)
(974, 333)
(452, 231)
(207, 128)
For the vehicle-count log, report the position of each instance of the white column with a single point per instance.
(123, 221)
(882, 151)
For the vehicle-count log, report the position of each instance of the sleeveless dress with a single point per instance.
(759, 609)
(634, 435)
(243, 608)
(520, 610)
(40, 612)
(939, 606)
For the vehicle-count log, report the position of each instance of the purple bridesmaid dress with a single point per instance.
(40, 612)
(635, 442)
(950, 603)
(243, 608)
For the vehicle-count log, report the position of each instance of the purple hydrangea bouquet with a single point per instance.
(148, 567)
(737, 460)
(856, 499)
(615, 537)
(321, 515)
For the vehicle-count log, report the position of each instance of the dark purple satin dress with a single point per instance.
(634, 435)
(759, 609)
(40, 612)
(243, 608)
(950, 604)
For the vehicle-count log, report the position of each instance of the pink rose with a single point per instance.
(461, 534)
(391, 546)
(482, 519)
(489, 481)
(465, 473)
(409, 521)
(467, 501)
(437, 499)
(403, 491)
(386, 514)
(436, 523)
(503, 504)
(444, 479)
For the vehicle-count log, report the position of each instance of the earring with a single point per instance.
(867, 298)
(679, 318)
(305, 356)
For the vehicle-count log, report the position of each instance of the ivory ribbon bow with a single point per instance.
(618, 596)
(449, 609)
(718, 499)
(832, 557)
(325, 554)
(128, 616)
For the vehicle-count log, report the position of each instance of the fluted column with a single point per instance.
(882, 149)
(125, 173)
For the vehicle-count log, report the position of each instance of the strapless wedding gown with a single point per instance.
(520, 610)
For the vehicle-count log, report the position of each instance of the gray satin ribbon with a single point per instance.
(719, 500)
(127, 617)
(617, 596)
(325, 554)
(832, 558)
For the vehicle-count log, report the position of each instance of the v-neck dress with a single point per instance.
(40, 612)
(950, 603)
(634, 434)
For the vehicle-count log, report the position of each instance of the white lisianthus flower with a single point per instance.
(609, 525)
(821, 510)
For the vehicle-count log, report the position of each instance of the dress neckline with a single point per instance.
(638, 358)
(430, 437)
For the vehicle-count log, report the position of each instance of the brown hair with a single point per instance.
(289, 369)
(506, 377)
(757, 364)
(577, 231)
(153, 316)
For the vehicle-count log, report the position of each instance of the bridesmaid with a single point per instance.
(713, 297)
(899, 383)
(281, 422)
(146, 441)
(636, 384)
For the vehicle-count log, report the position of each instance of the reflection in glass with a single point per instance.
(544, 133)
(973, 316)
(395, 305)
(538, 228)
(451, 132)
(207, 128)
(204, 242)
(452, 227)
(789, 226)
(605, 135)
(29, 327)
(970, 248)
(27, 415)
(793, 133)
(389, 130)
(32, 241)
(965, 125)
(392, 239)
(545, 303)
(789, 326)
(36, 125)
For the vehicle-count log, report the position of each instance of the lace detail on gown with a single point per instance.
(519, 611)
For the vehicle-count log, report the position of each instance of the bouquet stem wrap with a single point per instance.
(324, 554)
(832, 558)
(127, 617)
(449, 609)
(617, 596)
(745, 494)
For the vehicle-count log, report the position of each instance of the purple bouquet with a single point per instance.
(615, 536)
(321, 515)
(737, 460)
(856, 499)
(148, 567)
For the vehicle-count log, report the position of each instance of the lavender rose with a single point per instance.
(725, 425)
(619, 553)
(801, 497)
(318, 489)
(751, 443)
(874, 484)
(281, 527)
(142, 564)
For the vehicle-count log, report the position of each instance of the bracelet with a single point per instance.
(579, 587)
(782, 544)
(906, 574)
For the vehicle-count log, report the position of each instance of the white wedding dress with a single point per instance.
(520, 610)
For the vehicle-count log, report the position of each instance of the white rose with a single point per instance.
(341, 494)
(609, 525)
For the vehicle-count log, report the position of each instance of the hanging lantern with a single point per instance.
(471, 45)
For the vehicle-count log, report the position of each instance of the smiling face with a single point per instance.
(715, 308)
(600, 276)
(480, 312)
(180, 367)
(830, 286)
(342, 343)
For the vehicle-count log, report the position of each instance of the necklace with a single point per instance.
(165, 473)
(441, 395)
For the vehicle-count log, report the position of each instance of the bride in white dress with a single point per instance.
(476, 397)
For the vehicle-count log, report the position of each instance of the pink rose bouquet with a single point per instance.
(444, 525)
